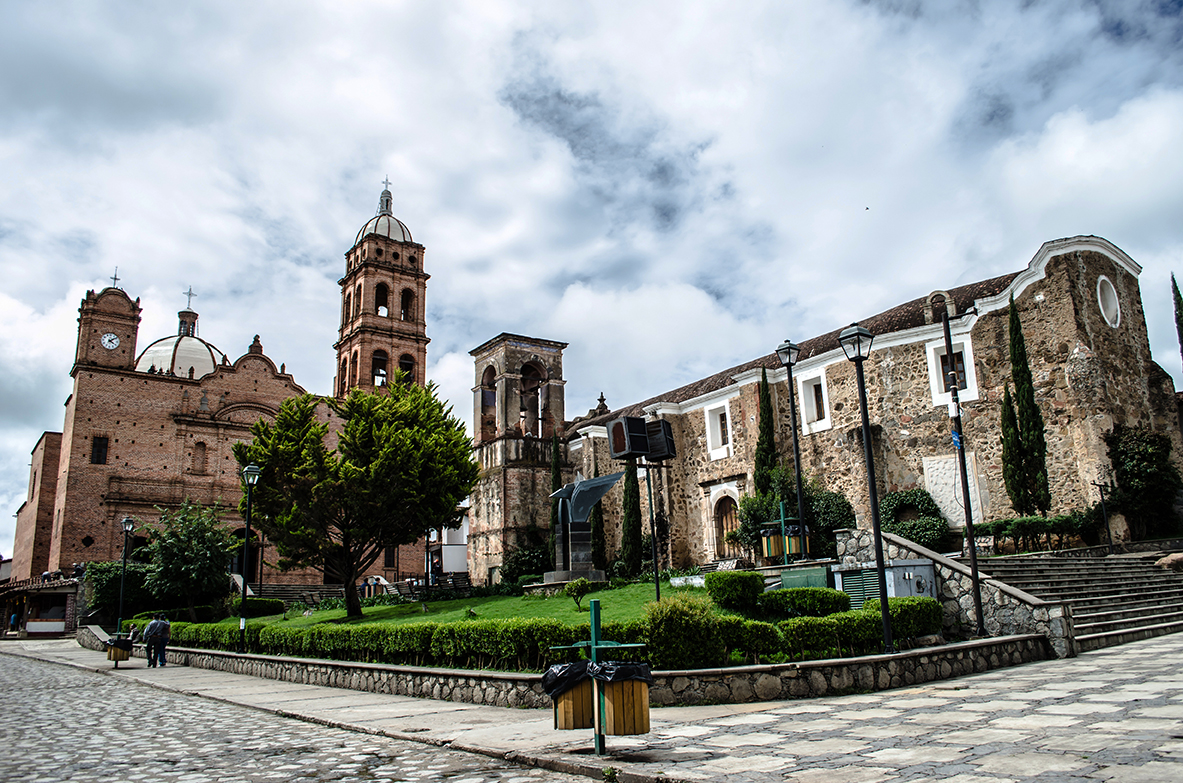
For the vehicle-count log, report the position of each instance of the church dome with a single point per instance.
(385, 224)
(184, 354)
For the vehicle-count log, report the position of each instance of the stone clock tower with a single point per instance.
(382, 305)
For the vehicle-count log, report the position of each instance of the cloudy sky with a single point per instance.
(671, 187)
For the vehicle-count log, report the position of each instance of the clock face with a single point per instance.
(110, 341)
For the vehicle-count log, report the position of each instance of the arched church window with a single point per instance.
(343, 378)
(378, 367)
(726, 520)
(347, 314)
(382, 300)
(358, 302)
(488, 394)
(356, 367)
(407, 305)
(530, 388)
(199, 457)
(406, 363)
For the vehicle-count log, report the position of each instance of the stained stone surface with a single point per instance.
(61, 724)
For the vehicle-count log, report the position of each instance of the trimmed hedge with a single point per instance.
(684, 633)
(926, 531)
(737, 590)
(860, 631)
(804, 602)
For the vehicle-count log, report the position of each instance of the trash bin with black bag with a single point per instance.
(570, 688)
(118, 650)
(625, 685)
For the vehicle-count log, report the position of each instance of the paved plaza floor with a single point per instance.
(1110, 715)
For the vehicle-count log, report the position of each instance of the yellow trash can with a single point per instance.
(626, 707)
(575, 708)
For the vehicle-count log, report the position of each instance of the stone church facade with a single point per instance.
(1080, 305)
(147, 430)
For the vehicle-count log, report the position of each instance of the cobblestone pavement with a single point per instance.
(61, 724)
(1110, 715)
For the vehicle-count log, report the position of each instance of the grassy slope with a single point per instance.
(621, 604)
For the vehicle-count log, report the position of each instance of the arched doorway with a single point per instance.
(726, 520)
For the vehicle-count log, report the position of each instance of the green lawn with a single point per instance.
(620, 604)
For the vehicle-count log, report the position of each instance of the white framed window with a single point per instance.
(718, 422)
(814, 399)
(939, 367)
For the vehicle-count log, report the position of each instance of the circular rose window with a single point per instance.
(1107, 300)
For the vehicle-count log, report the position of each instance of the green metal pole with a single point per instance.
(653, 535)
(784, 539)
(594, 607)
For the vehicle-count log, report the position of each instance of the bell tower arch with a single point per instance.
(382, 315)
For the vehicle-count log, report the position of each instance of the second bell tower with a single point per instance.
(382, 305)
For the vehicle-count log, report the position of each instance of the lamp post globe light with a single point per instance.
(787, 352)
(250, 475)
(856, 344)
(129, 525)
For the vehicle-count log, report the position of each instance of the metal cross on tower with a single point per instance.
(115, 278)
(386, 182)
(190, 294)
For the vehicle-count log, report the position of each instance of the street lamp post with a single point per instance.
(250, 475)
(787, 352)
(856, 343)
(129, 525)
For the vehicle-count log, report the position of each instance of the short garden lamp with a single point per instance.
(787, 352)
(856, 343)
(250, 475)
(129, 525)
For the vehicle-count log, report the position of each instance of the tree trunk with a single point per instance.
(192, 610)
(352, 599)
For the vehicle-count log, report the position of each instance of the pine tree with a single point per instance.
(630, 528)
(1025, 456)
(766, 442)
(556, 483)
(599, 548)
(1178, 312)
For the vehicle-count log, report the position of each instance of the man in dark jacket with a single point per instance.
(156, 638)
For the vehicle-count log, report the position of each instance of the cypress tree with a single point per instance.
(556, 483)
(599, 549)
(1027, 466)
(766, 442)
(630, 528)
(1178, 312)
(1012, 458)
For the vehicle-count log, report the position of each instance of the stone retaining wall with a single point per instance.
(722, 686)
(1007, 610)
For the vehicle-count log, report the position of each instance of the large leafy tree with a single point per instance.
(401, 465)
(189, 555)
(1147, 480)
(765, 442)
(630, 528)
(1024, 453)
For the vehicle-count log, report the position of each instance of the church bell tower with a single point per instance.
(382, 305)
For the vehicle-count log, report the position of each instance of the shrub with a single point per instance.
(737, 590)
(683, 633)
(925, 531)
(256, 607)
(577, 589)
(911, 616)
(804, 602)
(760, 640)
(103, 580)
(895, 503)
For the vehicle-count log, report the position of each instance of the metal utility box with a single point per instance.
(806, 577)
(904, 578)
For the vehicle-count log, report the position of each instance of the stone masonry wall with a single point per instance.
(704, 686)
(1007, 611)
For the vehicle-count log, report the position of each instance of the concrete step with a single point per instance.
(1091, 625)
(1095, 641)
(1131, 602)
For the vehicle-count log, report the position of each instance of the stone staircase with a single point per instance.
(1114, 599)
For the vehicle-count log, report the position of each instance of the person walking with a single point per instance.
(156, 637)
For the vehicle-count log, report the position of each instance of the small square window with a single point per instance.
(815, 412)
(939, 368)
(718, 432)
(958, 367)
